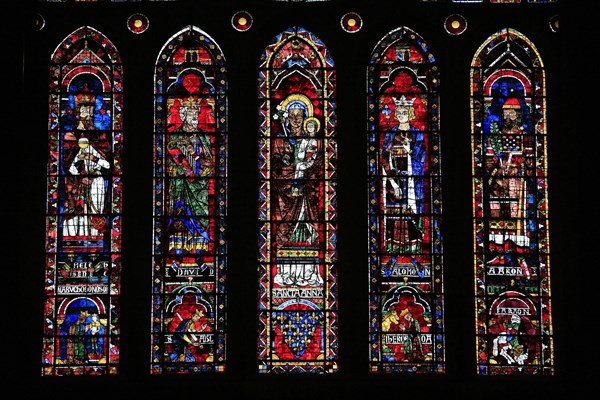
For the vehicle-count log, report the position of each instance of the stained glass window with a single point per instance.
(141, 313)
(190, 205)
(512, 289)
(406, 331)
(297, 206)
(83, 215)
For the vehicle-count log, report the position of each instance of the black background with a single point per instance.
(569, 62)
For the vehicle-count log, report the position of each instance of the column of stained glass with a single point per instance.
(83, 248)
(297, 206)
(512, 281)
(190, 187)
(406, 328)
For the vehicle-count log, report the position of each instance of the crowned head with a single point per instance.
(404, 102)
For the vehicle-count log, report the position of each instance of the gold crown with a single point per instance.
(199, 313)
(190, 102)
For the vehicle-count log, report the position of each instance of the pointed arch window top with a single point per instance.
(505, 43)
(208, 53)
(82, 47)
(385, 53)
(296, 47)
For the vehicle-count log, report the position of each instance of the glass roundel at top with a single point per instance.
(455, 24)
(351, 22)
(138, 23)
(241, 21)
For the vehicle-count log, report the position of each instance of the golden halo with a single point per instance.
(298, 97)
(309, 120)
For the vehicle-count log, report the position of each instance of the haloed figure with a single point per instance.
(306, 153)
(297, 154)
